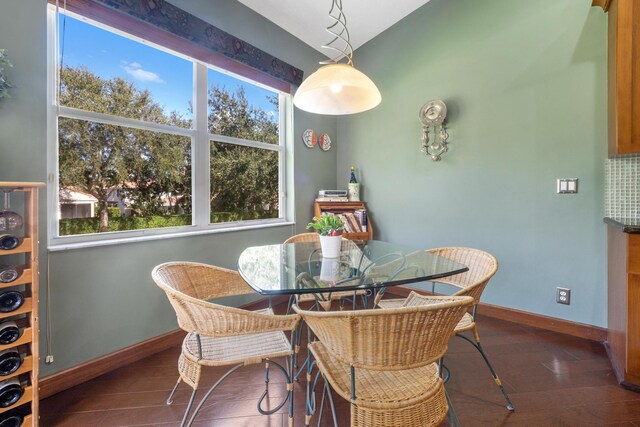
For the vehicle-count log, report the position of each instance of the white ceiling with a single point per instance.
(307, 19)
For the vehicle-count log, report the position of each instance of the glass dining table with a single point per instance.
(372, 265)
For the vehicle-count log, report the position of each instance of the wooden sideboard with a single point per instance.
(623, 335)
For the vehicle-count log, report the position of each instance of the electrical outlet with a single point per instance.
(563, 296)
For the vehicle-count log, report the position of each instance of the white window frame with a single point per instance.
(200, 140)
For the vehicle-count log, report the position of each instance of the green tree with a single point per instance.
(147, 168)
(243, 179)
(100, 159)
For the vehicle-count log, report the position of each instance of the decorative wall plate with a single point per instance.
(309, 138)
(433, 113)
(325, 142)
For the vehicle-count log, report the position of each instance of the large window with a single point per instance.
(149, 141)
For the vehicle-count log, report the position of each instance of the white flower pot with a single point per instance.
(330, 246)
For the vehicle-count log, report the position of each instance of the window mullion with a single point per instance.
(282, 130)
(245, 142)
(200, 148)
(74, 113)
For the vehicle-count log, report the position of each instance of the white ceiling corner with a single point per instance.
(307, 19)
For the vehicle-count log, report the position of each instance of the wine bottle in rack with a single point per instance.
(10, 392)
(10, 301)
(9, 220)
(9, 332)
(11, 419)
(10, 361)
(9, 273)
(9, 241)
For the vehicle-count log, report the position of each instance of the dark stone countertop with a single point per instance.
(631, 226)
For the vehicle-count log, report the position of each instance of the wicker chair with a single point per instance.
(384, 362)
(220, 335)
(482, 266)
(324, 299)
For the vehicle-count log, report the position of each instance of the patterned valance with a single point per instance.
(167, 17)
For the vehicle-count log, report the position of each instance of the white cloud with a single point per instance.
(136, 71)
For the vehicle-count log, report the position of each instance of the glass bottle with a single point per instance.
(10, 361)
(354, 187)
(353, 180)
(10, 301)
(9, 333)
(9, 220)
(9, 242)
(10, 392)
(9, 273)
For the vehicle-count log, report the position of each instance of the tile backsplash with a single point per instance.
(622, 187)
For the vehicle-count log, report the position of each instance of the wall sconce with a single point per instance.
(432, 115)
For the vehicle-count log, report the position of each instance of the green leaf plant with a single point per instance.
(327, 225)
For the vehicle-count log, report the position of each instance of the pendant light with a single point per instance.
(337, 88)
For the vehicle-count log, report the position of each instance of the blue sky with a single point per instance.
(167, 77)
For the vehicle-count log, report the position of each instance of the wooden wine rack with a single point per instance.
(26, 317)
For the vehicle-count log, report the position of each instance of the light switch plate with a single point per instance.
(567, 186)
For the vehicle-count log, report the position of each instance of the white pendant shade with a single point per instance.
(337, 89)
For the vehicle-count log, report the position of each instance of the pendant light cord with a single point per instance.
(340, 42)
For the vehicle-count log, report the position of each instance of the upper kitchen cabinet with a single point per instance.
(624, 75)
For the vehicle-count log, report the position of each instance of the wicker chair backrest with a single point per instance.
(303, 238)
(389, 339)
(482, 266)
(190, 285)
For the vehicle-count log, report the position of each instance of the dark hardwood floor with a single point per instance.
(552, 379)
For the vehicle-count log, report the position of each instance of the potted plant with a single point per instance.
(330, 228)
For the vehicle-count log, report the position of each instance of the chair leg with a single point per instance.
(297, 341)
(311, 394)
(186, 413)
(478, 347)
(290, 303)
(443, 370)
(331, 404)
(324, 389)
(175, 387)
(290, 385)
(452, 416)
(307, 413)
(266, 391)
(306, 362)
(326, 392)
(206, 396)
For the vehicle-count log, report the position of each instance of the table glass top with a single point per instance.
(294, 268)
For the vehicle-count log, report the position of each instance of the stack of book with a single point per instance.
(361, 216)
(354, 222)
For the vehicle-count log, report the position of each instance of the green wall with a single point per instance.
(103, 298)
(525, 84)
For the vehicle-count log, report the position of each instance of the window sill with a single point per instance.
(56, 245)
